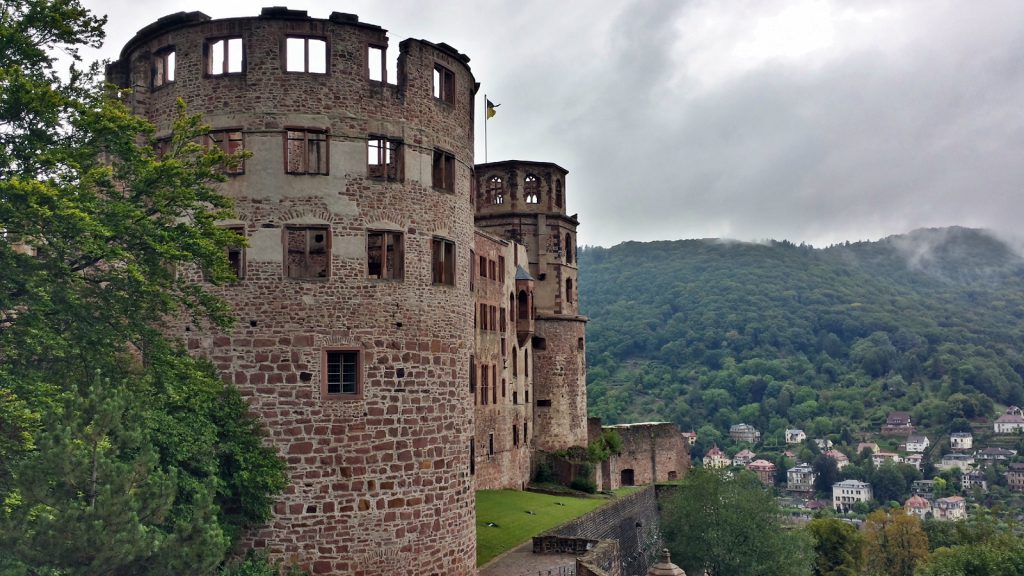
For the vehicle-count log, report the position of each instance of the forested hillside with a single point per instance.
(708, 332)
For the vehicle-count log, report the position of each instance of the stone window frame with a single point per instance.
(305, 67)
(443, 87)
(323, 154)
(162, 61)
(531, 189)
(371, 66)
(356, 353)
(326, 228)
(225, 71)
(227, 144)
(442, 170)
(398, 271)
(238, 264)
(495, 191)
(443, 255)
(377, 165)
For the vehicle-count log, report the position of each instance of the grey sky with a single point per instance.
(815, 121)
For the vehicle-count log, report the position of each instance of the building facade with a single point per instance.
(849, 492)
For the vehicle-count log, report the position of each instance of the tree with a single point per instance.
(827, 473)
(122, 453)
(838, 547)
(1003, 555)
(888, 484)
(894, 542)
(712, 517)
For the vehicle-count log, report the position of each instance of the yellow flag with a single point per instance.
(491, 109)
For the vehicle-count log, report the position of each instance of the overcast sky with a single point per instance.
(812, 121)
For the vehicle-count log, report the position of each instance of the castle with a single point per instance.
(409, 329)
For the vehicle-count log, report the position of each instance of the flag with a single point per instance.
(491, 109)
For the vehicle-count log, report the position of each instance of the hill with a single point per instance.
(777, 335)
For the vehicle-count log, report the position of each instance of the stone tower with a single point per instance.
(525, 202)
(353, 296)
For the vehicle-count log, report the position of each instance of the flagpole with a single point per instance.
(485, 128)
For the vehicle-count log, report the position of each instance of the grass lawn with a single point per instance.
(508, 509)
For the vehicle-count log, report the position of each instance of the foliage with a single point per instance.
(826, 473)
(731, 526)
(894, 542)
(119, 453)
(1001, 555)
(838, 547)
(608, 445)
(257, 565)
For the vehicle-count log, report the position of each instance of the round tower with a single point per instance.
(354, 312)
(526, 202)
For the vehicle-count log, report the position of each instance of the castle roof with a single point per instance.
(522, 274)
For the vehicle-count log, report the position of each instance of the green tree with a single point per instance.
(888, 484)
(713, 516)
(1002, 555)
(894, 542)
(122, 453)
(827, 473)
(838, 547)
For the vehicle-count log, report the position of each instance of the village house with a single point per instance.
(973, 479)
(800, 478)
(744, 433)
(743, 457)
(841, 460)
(917, 443)
(795, 436)
(1015, 477)
(950, 509)
(690, 437)
(867, 445)
(848, 492)
(961, 441)
(994, 454)
(1011, 422)
(879, 458)
(715, 458)
(765, 471)
(823, 443)
(914, 460)
(961, 461)
(897, 424)
(918, 506)
(923, 488)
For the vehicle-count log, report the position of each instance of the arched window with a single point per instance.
(558, 193)
(524, 305)
(568, 249)
(495, 190)
(568, 290)
(531, 189)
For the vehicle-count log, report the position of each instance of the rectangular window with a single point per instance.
(308, 252)
(483, 267)
(515, 435)
(444, 84)
(444, 171)
(384, 158)
(472, 375)
(494, 384)
(494, 317)
(501, 268)
(375, 57)
(483, 316)
(384, 255)
(472, 275)
(494, 269)
(443, 265)
(503, 326)
(224, 56)
(483, 384)
(231, 142)
(236, 254)
(306, 152)
(341, 373)
(306, 55)
(163, 67)
(490, 444)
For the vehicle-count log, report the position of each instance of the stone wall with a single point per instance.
(631, 520)
(602, 560)
(560, 405)
(651, 452)
(379, 473)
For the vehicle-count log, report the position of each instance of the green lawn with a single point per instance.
(508, 510)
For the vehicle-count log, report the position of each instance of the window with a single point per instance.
(483, 384)
(483, 316)
(501, 268)
(306, 151)
(231, 142)
(490, 444)
(443, 261)
(515, 362)
(494, 382)
(525, 428)
(384, 158)
(568, 290)
(341, 373)
(526, 365)
(444, 171)
(495, 190)
(224, 56)
(568, 249)
(483, 267)
(494, 317)
(308, 251)
(384, 255)
(503, 388)
(444, 84)
(236, 254)
(558, 193)
(472, 376)
(544, 403)
(515, 435)
(472, 456)
(503, 325)
(531, 190)
(377, 63)
(306, 55)
(494, 269)
(163, 67)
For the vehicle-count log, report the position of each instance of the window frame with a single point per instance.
(308, 228)
(226, 147)
(442, 170)
(305, 44)
(398, 273)
(531, 189)
(386, 146)
(443, 269)
(225, 65)
(167, 59)
(325, 383)
(370, 65)
(443, 84)
(240, 250)
(325, 161)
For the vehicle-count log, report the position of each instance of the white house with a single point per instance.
(841, 460)
(961, 461)
(848, 492)
(961, 441)
(917, 443)
(880, 458)
(715, 458)
(800, 478)
(952, 508)
(1009, 423)
(914, 460)
(918, 506)
(743, 458)
(795, 436)
(975, 479)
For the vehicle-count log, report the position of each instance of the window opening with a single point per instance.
(444, 171)
(501, 269)
(444, 84)
(490, 444)
(568, 290)
(495, 190)
(308, 252)
(515, 435)
(568, 249)
(444, 261)
(494, 269)
(376, 59)
(236, 254)
(384, 158)
(306, 152)
(558, 193)
(526, 364)
(524, 305)
(225, 56)
(472, 376)
(494, 381)
(483, 384)
(483, 316)
(231, 142)
(342, 372)
(531, 190)
(544, 403)
(483, 267)
(384, 255)
(306, 55)
(472, 456)
(515, 362)
(163, 67)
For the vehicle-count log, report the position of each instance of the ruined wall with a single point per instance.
(504, 417)
(379, 475)
(651, 452)
(560, 387)
(631, 520)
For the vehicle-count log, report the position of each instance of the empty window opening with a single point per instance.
(568, 249)
(472, 456)
(515, 362)
(376, 58)
(236, 254)
(306, 55)
(384, 158)
(494, 381)
(579, 344)
(526, 438)
(306, 152)
(385, 255)
(544, 403)
(472, 272)
(526, 365)
(531, 190)
(524, 305)
(626, 477)
(472, 375)
(503, 324)
(483, 267)
(308, 252)
(443, 265)
(503, 388)
(494, 317)
(341, 372)
(515, 435)
(443, 171)
(494, 269)
(224, 56)
(490, 444)
(526, 400)
(484, 384)
(558, 193)
(501, 268)
(568, 290)
(672, 475)
(483, 316)
(515, 397)
(444, 84)
(495, 191)
(231, 142)
(539, 343)
(163, 67)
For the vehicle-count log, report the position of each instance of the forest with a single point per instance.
(709, 333)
